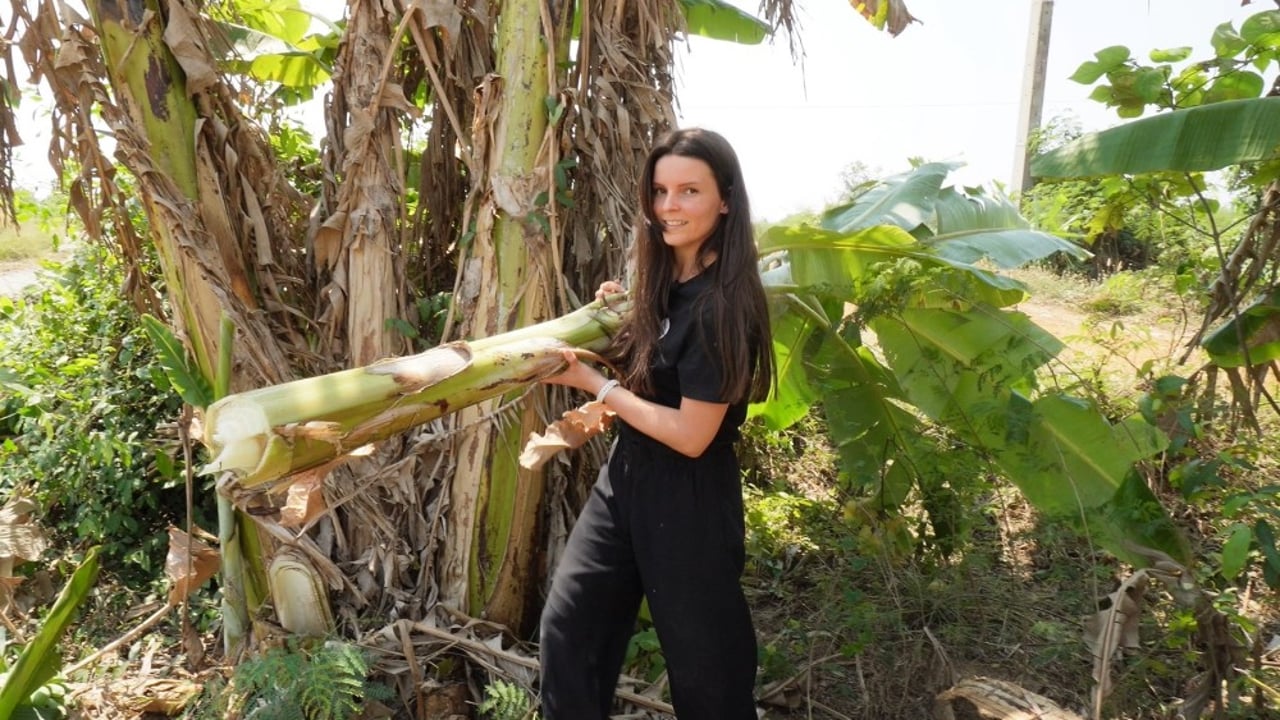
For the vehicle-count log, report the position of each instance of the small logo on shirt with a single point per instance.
(663, 327)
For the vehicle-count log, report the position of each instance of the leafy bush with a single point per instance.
(79, 410)
(1120, 294)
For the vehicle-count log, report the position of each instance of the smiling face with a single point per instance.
(687, 204)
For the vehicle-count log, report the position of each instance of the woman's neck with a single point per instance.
(689, 268)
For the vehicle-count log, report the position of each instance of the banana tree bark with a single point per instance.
(494, 503)
(176, 152)
(357, 244)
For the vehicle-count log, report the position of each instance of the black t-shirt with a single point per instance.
(689, 362)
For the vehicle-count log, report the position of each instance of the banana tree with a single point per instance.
(947, 351)
(912, 256)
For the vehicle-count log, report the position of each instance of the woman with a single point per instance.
(664, 520)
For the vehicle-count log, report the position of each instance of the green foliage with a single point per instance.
(722, 21)
(270, 42)
(644, 658)
(299, 155)
(40, 229)
(79, 408)
(505, 700)
(780, 530)
(182, 375)
(1130, 86)
(1218, 117)
(1248, 339)
(1118, 294)
(324, 681)
(1193, 140)
(1225, 482)
(905, 253)
(27, 681)
(1214, 118)
(1122, 221)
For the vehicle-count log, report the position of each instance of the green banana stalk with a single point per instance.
(263, 435)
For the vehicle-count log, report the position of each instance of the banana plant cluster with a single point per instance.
(915, 263)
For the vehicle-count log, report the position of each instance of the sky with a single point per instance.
(948, 88)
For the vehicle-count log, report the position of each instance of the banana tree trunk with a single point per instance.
(173, 153)
(494, 504)
(357, 243)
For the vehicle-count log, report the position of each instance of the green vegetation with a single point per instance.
(308, 679)
(41, 230)
(30, 683)
(506, 701)
(80, 412)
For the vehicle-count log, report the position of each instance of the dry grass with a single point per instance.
(24, 244)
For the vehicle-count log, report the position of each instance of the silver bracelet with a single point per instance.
(605, 388)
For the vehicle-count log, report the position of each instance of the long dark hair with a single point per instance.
(737, 306)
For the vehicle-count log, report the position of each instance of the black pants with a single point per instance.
(668, 528)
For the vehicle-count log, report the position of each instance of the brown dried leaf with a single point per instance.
(186, 43)
(885, 14)
(572, 430)
(304, 502)
(1113, 629)
(992, 698)
(189, 564)
(20, 536)
(166, 696)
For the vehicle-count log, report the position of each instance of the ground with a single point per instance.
(14, 276)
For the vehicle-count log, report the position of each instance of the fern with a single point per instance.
(505, 701)
(323, 682)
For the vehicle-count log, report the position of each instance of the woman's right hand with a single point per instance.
(609, 287)
(577, 374)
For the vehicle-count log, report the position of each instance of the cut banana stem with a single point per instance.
(265, 434)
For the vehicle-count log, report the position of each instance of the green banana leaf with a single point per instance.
(905, 201)
(719, 20)
(795, 324)
(974, 372)
(952, 362)
(975, 226)
(714, 19)
(40, 661)
(271, 41)
(1208, 137)
(1257, 325)
(869, 421)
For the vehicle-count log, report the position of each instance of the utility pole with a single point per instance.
(1032, 105)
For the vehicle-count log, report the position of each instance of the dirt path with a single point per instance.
(1116, 345)
(16, 276)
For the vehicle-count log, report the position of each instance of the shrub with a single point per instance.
(79, 411)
